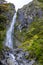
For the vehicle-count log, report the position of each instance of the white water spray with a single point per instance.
(9, 42)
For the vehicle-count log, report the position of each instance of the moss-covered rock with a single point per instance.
(29, 30)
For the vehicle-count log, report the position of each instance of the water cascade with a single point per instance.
(9, 42)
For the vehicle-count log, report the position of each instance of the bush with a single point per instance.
(40, 0)
(34, 41)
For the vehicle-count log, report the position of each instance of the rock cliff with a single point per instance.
(25, 16)
(29, 30)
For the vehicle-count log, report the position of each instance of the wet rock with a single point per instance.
(26, 53)
(1, 63)
(26, 15)
(2, 1)
(16, 57)
(32, 62)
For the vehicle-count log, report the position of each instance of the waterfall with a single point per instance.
(19, 57)
(9, 42)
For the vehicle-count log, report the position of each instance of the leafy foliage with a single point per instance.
(40, 0)
(34, 40)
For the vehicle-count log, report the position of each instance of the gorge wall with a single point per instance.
(25, 16)
(29, 30)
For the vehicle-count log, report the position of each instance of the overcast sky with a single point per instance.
(19, 3)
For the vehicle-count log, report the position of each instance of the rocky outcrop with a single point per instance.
(15, 57)
(25, 16)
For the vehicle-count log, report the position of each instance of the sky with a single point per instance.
(19, 3)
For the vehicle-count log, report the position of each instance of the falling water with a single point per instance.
(11, 60)
(9, 42)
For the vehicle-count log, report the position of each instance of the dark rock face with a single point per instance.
(1, 63)
(2, 1)
(27, 14)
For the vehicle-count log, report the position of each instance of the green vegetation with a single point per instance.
(34, 40)
(2, 29)
(32, 37)
(40, 0)
(3, 20)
